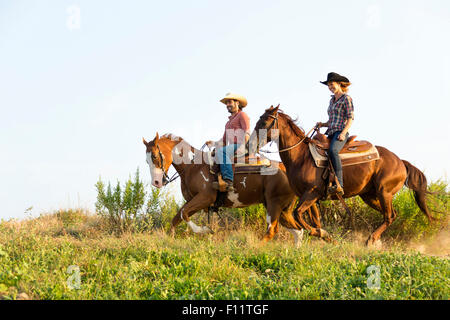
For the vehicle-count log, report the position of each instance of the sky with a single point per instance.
(81, 82)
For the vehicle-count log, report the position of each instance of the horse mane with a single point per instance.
(292, 124)
(178, 139)
(172, 137)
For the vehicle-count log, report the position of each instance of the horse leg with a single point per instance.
(199, 202)
(314, 215)
(306, 201)
(288, 221)
(385, 204)
(272, 217)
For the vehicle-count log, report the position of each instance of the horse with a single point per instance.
(376, 181)
(196, 186)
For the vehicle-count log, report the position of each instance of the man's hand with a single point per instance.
(209, 144)
(341, 136)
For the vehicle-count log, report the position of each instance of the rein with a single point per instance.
(275, 121)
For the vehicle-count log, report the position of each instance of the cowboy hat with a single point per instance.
(334, 77)
(233, 96)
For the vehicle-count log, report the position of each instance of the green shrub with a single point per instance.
(126, 208)
(410, 223)
(121, 206)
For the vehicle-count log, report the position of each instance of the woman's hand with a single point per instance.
(321, 124)
(341, 136)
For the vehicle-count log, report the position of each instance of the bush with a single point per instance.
(127, 210)
(410, 223)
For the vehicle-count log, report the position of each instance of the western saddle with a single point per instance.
(353, 152)
(243, 165)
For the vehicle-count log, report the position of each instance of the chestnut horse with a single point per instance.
(376, 182)
(196, 186)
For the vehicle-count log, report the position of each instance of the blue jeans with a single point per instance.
(225, 156)
(333, 152)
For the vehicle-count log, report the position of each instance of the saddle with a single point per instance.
(353, 152)
(245, 165)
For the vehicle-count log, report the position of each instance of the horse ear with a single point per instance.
(276, 109)
(157, 137)
(145, 142)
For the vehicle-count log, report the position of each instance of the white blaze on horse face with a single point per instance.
(234, 197)
(155, 173)
(298, 236)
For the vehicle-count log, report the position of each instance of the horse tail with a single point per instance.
(417, 182)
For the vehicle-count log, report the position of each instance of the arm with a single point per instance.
(216, 144)
(349, 114)
(347, 127)
(322, 124)
(244, 122)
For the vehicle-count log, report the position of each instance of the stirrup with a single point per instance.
(221, 185)
(335, 189)
(229, 185)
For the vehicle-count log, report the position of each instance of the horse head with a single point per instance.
(266, 129)
(159, 159)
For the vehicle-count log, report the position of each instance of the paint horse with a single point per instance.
(193, 168)
(375, 181)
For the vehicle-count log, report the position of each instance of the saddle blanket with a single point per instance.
(347, 159)
(258, 165)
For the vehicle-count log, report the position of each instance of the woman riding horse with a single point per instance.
(340, 112)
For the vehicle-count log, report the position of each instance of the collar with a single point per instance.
(234, 115)
(334, 101)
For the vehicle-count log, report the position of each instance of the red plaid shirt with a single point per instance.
(338, 112)
(235, 129)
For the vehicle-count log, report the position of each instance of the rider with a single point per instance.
(237, 133)
(340, 113)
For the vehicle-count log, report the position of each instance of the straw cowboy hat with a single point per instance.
(335, 77)
(233, 96)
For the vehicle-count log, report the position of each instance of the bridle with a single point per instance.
(274, 124)
(166, 179)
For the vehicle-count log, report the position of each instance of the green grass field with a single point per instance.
(123, 252)
(36, 255)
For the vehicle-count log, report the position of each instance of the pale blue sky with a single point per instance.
(75, 103)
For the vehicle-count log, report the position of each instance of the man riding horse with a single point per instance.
(236, 135)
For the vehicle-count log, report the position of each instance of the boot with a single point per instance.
(336, 189)
(223, 185)
(229, 184)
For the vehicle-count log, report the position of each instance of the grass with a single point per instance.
(123, 252)
(35, 256)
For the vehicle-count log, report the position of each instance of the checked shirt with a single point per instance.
(338, 112)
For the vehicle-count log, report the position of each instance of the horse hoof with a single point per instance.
(377, 244)
(208, 230)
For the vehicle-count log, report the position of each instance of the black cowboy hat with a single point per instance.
(334, 77)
